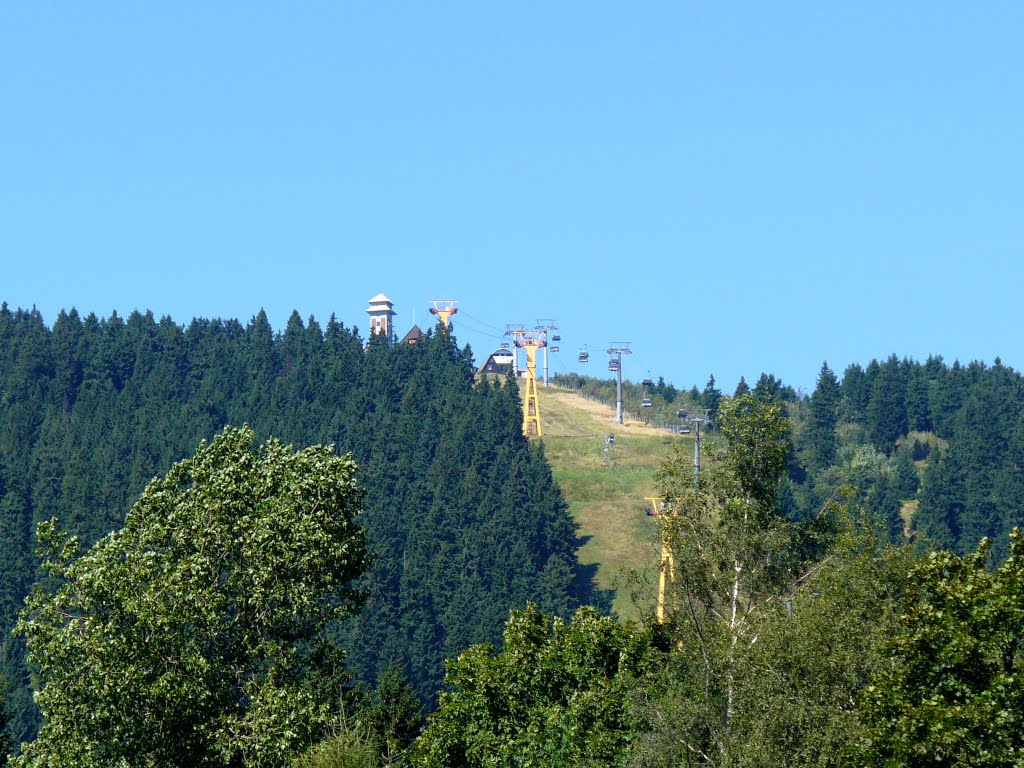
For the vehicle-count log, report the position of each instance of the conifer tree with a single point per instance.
(887, 409)
(711, 397)
(856, 394)
(919, 416)
(823, 418)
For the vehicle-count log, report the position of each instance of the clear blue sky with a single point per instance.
(735, 188)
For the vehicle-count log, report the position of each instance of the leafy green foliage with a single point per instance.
(816, 649)
(954, 694)
(196, 634)
(777, 625)
(732, 557)
(351, 747)
(554, 695)
(758, 441)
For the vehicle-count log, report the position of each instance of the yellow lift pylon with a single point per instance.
(444, 309)
(660, 506)
(530, 341)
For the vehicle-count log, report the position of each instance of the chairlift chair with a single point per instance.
(646, 403)
(554, 349)
(556, 337)
(682, 414)
(584, 356)
(613, 365)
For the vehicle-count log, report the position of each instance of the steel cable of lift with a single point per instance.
(582, 431)
(473, 327)
(484, 323)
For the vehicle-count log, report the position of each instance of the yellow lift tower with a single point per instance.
(659, 506)
(531, 341)
(444, 309)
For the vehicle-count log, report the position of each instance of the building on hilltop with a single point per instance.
(382, 314)
(499, 361)
(413, 336)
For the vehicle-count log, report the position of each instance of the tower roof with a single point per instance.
(381, 303)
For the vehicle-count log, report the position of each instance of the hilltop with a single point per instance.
(606, 492)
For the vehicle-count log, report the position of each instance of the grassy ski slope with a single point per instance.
(606, 493)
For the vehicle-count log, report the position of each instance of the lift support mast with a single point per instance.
(444, 309)
(530, 341)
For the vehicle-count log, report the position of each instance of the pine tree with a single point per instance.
(823, 418)
(919, 415)
(887, 409)
(937, 522)
(769, 387)
(856, 393)
(67, 333)
(711, 397)
(905, 477)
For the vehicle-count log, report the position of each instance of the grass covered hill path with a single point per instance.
(606, 491)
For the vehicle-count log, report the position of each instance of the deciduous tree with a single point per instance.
(732, 557)
(196, 635)
(555, 695)
(953, 694)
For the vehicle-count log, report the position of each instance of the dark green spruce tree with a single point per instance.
(823, 418)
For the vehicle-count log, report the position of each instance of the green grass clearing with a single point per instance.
(606, 493)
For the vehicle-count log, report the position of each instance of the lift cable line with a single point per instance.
(530, 341)
(469, 324)
(616, 349)
(484, 323)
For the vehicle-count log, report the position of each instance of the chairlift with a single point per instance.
(647, 383)
(556, 337)
(613, 364)
(554, 349)
(684, 430)
(584, 356)
(646, 403)
(682, 414)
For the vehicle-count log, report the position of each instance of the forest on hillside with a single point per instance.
(787, 635)
(843, 588)
(463, 518)
(936, 450)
